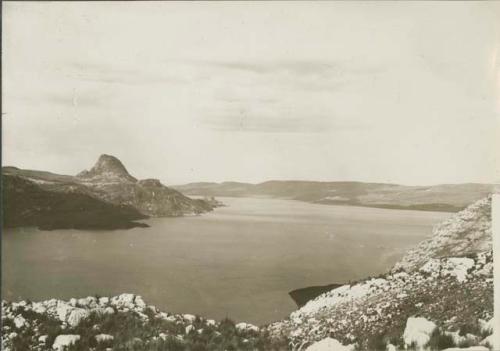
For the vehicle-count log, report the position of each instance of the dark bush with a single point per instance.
(440, 341)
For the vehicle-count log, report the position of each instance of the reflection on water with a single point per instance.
(239, 261)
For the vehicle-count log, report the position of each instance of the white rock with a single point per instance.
(458, 267)
(38, 307)
(76, 315)
(123, 301)
(189, 328)
(211, 322)
(62, 341)
(139, 302)
(109, 310)
(87, 301)
(247, 327)
(43, 338)
(472, 348)
(62, 310)
(19, 321)
(170, 318)
(189, 317)
(418, 331)
(103, 337)
(143, 316)
(391, 347)
(103, 301)
(486, 326)
(329, 344)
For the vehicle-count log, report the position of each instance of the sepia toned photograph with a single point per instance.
(249, 175)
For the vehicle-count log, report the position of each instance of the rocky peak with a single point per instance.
(107, 167)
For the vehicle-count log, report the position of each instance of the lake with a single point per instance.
(239, 261)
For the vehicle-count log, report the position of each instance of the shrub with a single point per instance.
(440, 341)
(376, 343)
(469, 328)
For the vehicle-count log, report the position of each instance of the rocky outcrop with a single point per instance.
(468, 232)
(119, 322)
(107, 169)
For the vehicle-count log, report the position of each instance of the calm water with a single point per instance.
(239, 261)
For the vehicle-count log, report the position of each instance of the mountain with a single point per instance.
(26, 203)
(107, 168)
(106, 196)
(447, 197)
(110, 180)
(439, 295)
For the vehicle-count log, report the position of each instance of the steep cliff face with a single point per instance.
(106, 190)
(447, 279)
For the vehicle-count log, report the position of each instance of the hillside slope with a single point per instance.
(443, 280)
(25, 203)
(451, 198)
(107, 190)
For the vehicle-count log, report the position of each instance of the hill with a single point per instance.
(106, 196)
(449, 198)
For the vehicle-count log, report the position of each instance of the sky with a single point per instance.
(252, 91)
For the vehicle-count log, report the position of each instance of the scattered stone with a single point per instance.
(62, 341)
(19, 322)
(104, 337)
(329, 344)
(76, 315)
(418, 332)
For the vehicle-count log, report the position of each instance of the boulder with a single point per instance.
(329, 344)
(247, 327)
(103, 337)
(418, 332)
(76, 315)
(19, 321)
(63, 341)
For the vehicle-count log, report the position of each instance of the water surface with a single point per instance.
(239, 261)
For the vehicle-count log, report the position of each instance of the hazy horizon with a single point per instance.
(191, 92)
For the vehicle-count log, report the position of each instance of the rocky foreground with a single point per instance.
(438, 297)
(122, 322)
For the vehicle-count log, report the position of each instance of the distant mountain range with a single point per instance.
(447, 197)
(106, 196)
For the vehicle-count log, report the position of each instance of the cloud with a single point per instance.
(74, 98)
(113, 74)
(245, 121)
